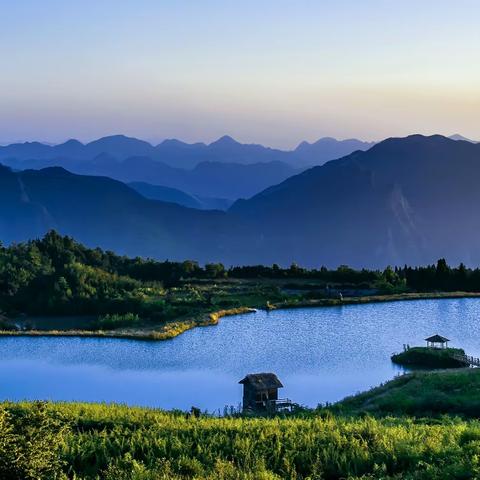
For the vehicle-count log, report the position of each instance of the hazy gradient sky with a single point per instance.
(268, 71)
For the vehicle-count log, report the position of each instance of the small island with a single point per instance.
(431, 358)
(436, 354)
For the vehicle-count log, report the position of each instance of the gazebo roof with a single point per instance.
(437, 339)
(261, 381)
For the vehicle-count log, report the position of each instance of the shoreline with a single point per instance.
(174, 328)
(394, 297)
(165, 332)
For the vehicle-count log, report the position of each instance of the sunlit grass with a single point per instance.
(421, 394)
(115, 441)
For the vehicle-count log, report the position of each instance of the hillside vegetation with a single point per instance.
(82, 441)
(420, 394)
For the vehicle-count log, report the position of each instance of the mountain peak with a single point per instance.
(173, 142)
(457, 137)
(226, 140)
(55, 171)
(72, 141)
(410, 142)
(118, 139)
(328, 148)
(33, 144)
(327, 140)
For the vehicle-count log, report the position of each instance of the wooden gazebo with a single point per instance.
(437, 341)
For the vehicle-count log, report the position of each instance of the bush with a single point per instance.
(30, 442)
(117, 320)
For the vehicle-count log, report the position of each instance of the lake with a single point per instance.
(319, 354)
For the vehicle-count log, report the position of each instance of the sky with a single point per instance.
(274, 72)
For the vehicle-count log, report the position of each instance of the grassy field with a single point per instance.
(86, 441)
(418, 426)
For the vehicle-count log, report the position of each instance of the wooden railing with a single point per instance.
(467, 359)
(280, 404)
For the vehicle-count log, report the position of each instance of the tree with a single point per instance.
(215, 270)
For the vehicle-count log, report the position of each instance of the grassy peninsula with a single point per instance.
(56, 286)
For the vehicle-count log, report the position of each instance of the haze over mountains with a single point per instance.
(100, 211)
(224, 169)
(173, 195)
(406, 200)
(176, 153)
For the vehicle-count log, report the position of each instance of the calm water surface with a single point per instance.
(319, 354)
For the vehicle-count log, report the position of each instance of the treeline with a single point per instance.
(436, 277)
(56, 274)
(441, 277)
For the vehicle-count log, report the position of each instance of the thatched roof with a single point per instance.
(437, 339)
(262, 381)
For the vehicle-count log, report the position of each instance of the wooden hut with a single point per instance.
(260, 391)
(437, 341)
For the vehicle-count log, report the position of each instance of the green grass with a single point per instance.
(419, 426)
(115, 442)
(420, 394)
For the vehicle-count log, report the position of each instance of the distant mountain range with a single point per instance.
(180, 154)
(224, 169)
(208, 179)
(405, 200)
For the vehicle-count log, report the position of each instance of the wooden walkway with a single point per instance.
(468, 360)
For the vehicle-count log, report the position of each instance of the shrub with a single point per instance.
(117, 320)
(30, 442)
